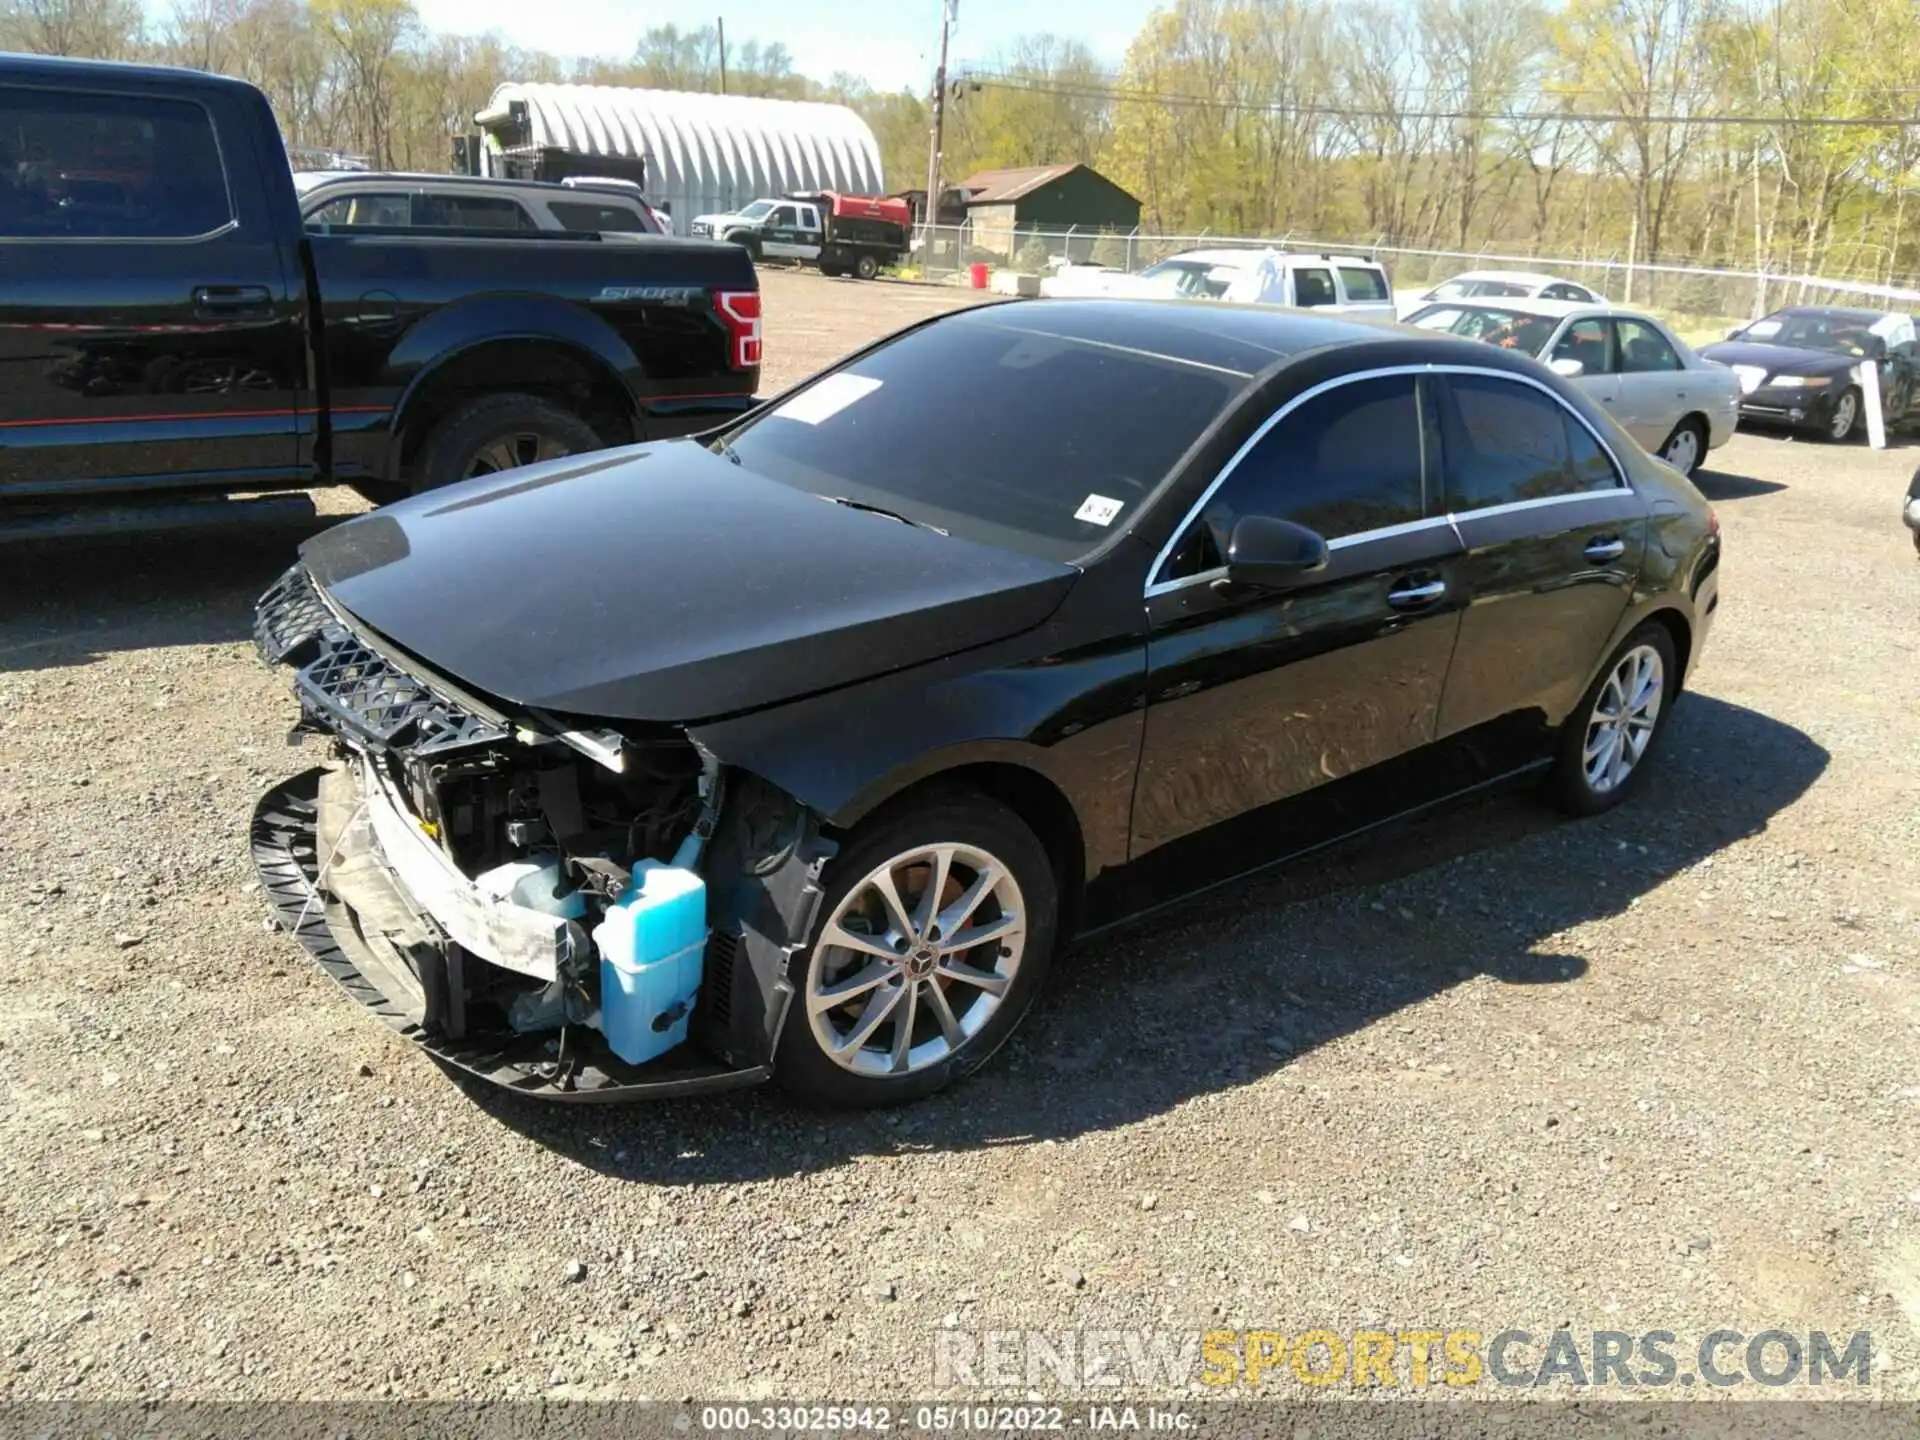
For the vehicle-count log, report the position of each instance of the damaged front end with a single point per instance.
(573, 912)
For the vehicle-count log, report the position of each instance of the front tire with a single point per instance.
(1605, 743)
(499, 432)
(934, 933)
(1686, 447)
(1845, 418)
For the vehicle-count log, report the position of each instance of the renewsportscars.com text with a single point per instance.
(1255, 1360)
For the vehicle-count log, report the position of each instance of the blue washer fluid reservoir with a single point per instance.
(652, 946)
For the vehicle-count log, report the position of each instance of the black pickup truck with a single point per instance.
(176, 346)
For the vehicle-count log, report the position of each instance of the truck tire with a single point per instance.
(748, 242)
(498, 432)
(865, 266)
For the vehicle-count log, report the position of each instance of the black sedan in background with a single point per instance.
(917, 692)
(1797, 367)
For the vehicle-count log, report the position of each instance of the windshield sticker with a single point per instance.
(826, 399)
(1098, 510)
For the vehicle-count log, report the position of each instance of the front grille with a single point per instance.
(289, 618)
(368, 694)
(351, 687)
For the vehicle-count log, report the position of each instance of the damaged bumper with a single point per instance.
(574, 1064)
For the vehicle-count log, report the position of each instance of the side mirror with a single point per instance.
(1567, 367)
(1736, 332)
(1268, 553)
(1876, 347)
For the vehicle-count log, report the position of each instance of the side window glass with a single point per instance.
(783, 216)
(473, 212)
(582, 215)
(351, 210)
(1592, 467)
(1585, 341)
(1345, 462)
(1313, 287)
(79, 165)
(1643, 348)
(1364, 284)
(1504, 442)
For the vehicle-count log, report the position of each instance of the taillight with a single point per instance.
(1713, 523)
(740, 313)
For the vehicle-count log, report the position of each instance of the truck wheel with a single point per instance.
(499, 432)
(866, 267)
(747, 242)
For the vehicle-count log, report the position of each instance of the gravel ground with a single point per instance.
(1658, 1071)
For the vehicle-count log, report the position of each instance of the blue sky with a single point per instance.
(893, 43)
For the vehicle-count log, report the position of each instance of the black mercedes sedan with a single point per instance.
(798, 750)
(1800, 367)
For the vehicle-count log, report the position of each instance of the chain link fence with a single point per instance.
(1694, 298)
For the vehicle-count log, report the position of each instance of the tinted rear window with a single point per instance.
(1008, 435)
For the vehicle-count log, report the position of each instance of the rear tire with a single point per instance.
(1605, 744)
(865, 267)
(1686, 448)
(496, 433)
(957, 1002)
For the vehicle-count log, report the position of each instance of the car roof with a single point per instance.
(1241, 339)
(1518, 277)
(305, 180)
(1533, 305)
(1249, 257)
(1837, 312)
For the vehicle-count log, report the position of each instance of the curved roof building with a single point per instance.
(703, 152)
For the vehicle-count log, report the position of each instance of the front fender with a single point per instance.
(1073, 718)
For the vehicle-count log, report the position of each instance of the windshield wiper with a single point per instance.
(853, 504)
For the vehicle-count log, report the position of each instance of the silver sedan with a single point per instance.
(1677, 405)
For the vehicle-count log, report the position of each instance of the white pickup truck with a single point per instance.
(1345, 284)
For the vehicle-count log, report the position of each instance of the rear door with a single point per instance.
(1554, 538)
(150, 337)
(1653, 382)
(1364, 289)
(1256, 698)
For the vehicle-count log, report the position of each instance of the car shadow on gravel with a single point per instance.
(1236, 986)
(69, 602)
(1719, 485)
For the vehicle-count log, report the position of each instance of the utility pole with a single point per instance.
(939, 124)
(720, 25)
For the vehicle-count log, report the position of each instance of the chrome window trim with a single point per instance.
(1161, 587)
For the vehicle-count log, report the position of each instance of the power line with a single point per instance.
(1321, 110)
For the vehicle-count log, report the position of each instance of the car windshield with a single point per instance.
(1188, 277)
(1839, 332)
(1472, 289)
(756, 209)
(993, 429)
(1509, 329)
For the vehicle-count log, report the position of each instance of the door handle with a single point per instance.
(1412, 597)
(231, 299)
(1604, 548)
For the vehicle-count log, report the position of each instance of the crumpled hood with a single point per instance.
(1773, 358)
(664, 583)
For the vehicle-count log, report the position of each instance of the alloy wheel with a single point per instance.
(1846, 410)
(1623, 720)
(915, 960)
(510, 452)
